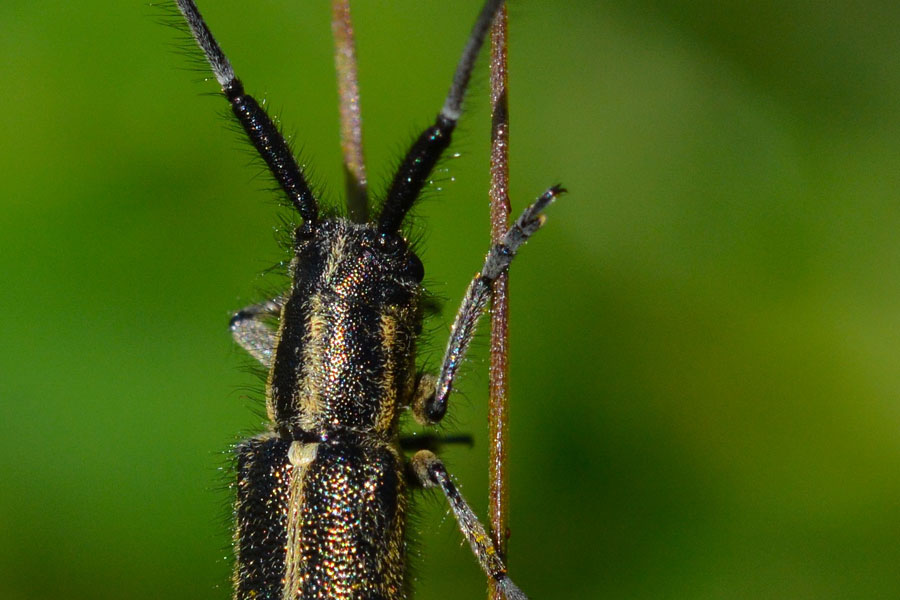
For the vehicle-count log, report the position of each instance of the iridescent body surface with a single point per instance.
(321, 498)
(332, 528)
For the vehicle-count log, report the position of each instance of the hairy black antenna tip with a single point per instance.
(261, 131)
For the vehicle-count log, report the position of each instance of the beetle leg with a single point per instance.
(431, 472)
(430, 406)
(250, 330)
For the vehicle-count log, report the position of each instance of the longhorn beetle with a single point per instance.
(321, 502)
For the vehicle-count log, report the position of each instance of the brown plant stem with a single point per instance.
(499, 369)
(351, 118)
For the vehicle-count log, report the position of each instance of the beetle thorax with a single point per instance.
(344, 361)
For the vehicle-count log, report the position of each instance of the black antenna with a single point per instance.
(425, 152)
(263, 133)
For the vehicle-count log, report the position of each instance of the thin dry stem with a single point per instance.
(351, 118)
(499, 370)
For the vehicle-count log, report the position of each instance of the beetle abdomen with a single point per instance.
(342, 510)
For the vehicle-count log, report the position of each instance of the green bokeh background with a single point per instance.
(705, 337)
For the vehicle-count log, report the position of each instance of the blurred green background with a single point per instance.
(705, 336)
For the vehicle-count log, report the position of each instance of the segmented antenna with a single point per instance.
(260, 129)
(453, 104)
(427, 149)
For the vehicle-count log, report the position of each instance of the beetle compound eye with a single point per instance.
(414, 268)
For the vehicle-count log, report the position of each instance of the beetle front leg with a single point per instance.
(250, 330)
(430, 403)
(431, 472)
